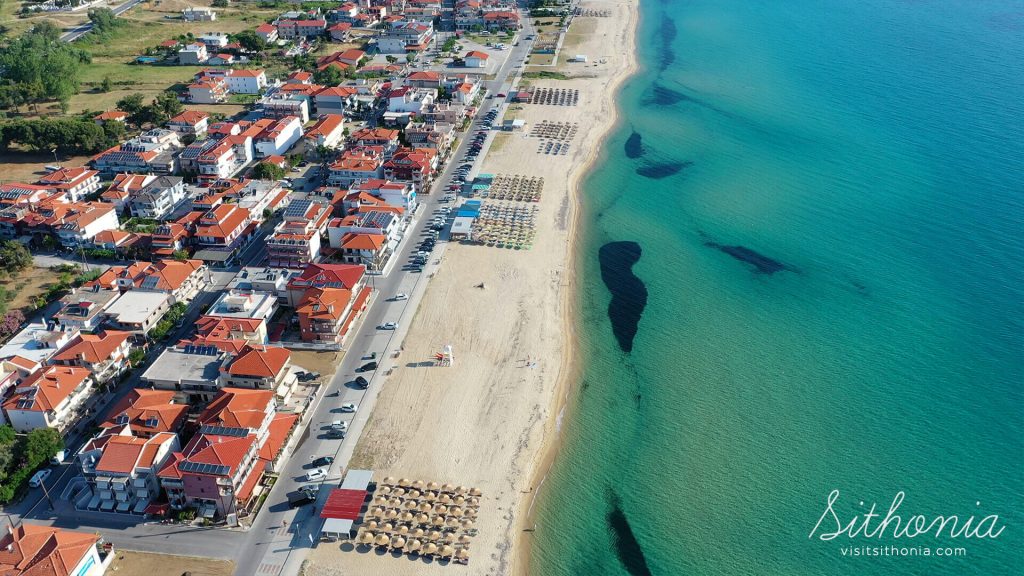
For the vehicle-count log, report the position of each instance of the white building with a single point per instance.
(138, 310)
(279, 137)
(246, 81)
(50, 398)
(198, 15)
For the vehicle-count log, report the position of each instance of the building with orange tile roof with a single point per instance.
(355, 164)
(325, 314)
(145, 413)
(348, 276)
(192, 122)
(30, 550)
(104, 354)
(219, 470)
(222, 228)
(328, 131)
(121, 469)
(74, 183)
(50, 398)
(13, 371)
(83, 221)
(219, 328)
(260, 367)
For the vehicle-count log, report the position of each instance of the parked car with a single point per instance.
(316, 474)
(389, 325)
(367, 367)
(313, 489)
(39, 477)
(401, 296)
(323, 461)
(339, 425)
(362, 383)
(350, 407)
(333, 434)
(300, 498)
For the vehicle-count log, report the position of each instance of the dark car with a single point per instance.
(323, 461)
(336, 434)
(361, 382)
(367, 367)
(300, 498)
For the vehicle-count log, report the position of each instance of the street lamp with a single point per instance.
(55, 160)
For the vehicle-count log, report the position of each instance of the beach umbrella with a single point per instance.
(388, 480)
(464, 539)
(430, 548)
(446, 487)
(381, 540)
(456, 511)
(409, 504)
(391, 514)
(449, 537)
(380, 501)
(378, 512)
(431, 496)
(414, 494)
(371, 525)
(462, 554)
(403, 530)
(413, 545)
(467, 523)
(460, 500)
(395, 502)
(434, 535)
(384, 490)
(461, 489)
(399, 492)
(446, 499)
(398, 542)
(387, 527)
(418, 484)
(407, 517)
(433, 486)
(438, 520)
(404, 482)
(417, 533)
(424, 507)
(453, 522)
(440, 508)
(422, 518)
(366, 538)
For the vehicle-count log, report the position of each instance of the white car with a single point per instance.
(349, 407)
(339, 425)
(316, 474)
(39, 478)
(389, 326)
(401, 296)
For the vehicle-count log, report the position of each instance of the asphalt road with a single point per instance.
(79, 31)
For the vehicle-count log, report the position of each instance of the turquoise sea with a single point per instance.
(828, 200)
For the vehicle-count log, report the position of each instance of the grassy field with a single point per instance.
(28, 284)
(28, 167)
(579, 30)
(540, 59)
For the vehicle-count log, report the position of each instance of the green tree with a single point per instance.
(14, 256)
(251, 41)
(103, 20)
(41, 445)
(391, 59)
(268, 171)
(219, 3)
(107, 84)
(167, 105)
(329, 76)
(7, 434)
(410, 57)
(132, 104)
(180, 255)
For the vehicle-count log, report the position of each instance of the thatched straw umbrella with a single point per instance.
(387, 527)
(424, 507)
(433, 486)
(408, 517)
(382, 540)
(417, 533)
(395, 502)
(398, 542)
(371, 525)
(430, 496)
(461, 489)
(413, 545)
(391, 514)
(404, 482)
(430, 548)
(449, 537)
(380, 500)
(414, 494)
(438, 521)
(403, 530)
(447, 550)
(475, 492)
(460, 500)
(384, 490)
(474, 502)
(398, 492)
(440, 508)
(456, 511)
(409, 504)
(388, 480)
(466, 523)
(452, 522)
(464, 539)
(446, 499)
(434, 535)
(422, 518)
(446, 487)
(418, 484)
(365, 537)
(462, 554)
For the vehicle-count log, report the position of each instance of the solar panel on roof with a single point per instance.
(224, 431)
(204, 468)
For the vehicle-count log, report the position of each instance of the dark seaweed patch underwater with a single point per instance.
(629, 294)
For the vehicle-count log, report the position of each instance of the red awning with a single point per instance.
(344, 504)
(157, 508)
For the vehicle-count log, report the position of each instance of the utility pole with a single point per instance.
(47, 494)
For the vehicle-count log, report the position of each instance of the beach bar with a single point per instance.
(344, 506)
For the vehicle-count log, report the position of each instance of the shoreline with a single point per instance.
(571, 368)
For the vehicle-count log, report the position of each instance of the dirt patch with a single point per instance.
(128, 563)
(323, 362)
(28, 167)
(28, 284)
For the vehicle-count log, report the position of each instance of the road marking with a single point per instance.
(268, 568)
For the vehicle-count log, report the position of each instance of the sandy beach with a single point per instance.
(490, 420)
